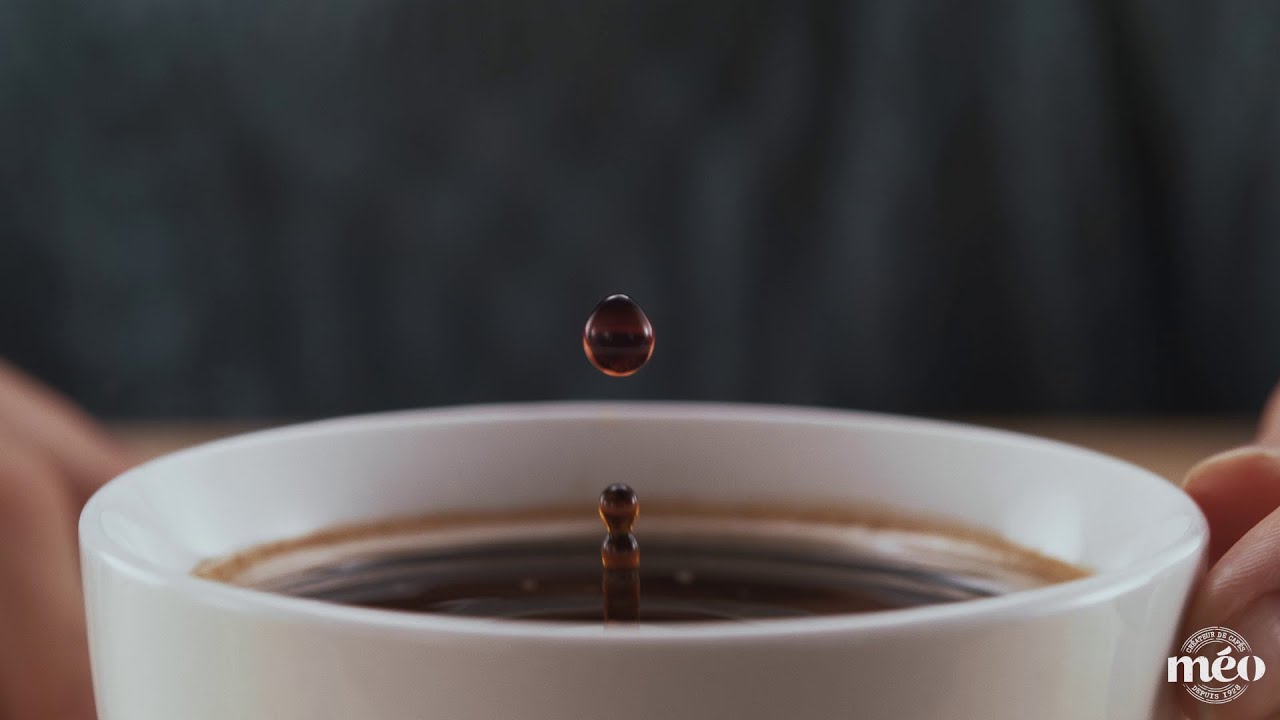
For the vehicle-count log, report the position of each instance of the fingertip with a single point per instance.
(117, 460)
(94, 468)
(1250, 459)
(1235, 490)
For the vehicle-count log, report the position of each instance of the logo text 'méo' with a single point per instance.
(1216, 665)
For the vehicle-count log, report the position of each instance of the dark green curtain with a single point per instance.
(279, 207)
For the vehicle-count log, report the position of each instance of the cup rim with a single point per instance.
(1053, 599)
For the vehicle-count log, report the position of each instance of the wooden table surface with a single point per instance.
(1168, 446)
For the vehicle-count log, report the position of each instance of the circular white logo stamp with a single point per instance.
(1216, 665)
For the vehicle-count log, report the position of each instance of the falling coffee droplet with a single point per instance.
(618, 338)
(620, 554)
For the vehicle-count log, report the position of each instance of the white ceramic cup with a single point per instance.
(169, 646)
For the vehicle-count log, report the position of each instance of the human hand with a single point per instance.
(52, 457)
(1239, 492)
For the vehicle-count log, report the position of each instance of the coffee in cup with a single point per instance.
(700, 563)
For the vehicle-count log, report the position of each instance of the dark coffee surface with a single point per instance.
(693, 569)
(561, 580)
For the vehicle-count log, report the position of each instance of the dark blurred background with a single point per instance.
(266, 208)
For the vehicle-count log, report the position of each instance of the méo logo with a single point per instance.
(1216, 665)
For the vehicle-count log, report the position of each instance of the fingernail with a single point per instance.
(1259, 625)
(1211, 465)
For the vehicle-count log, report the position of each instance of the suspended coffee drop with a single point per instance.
(618, 338)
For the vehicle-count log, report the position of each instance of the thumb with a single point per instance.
(1238, 488)
(1239, 492)
(1235, 490)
